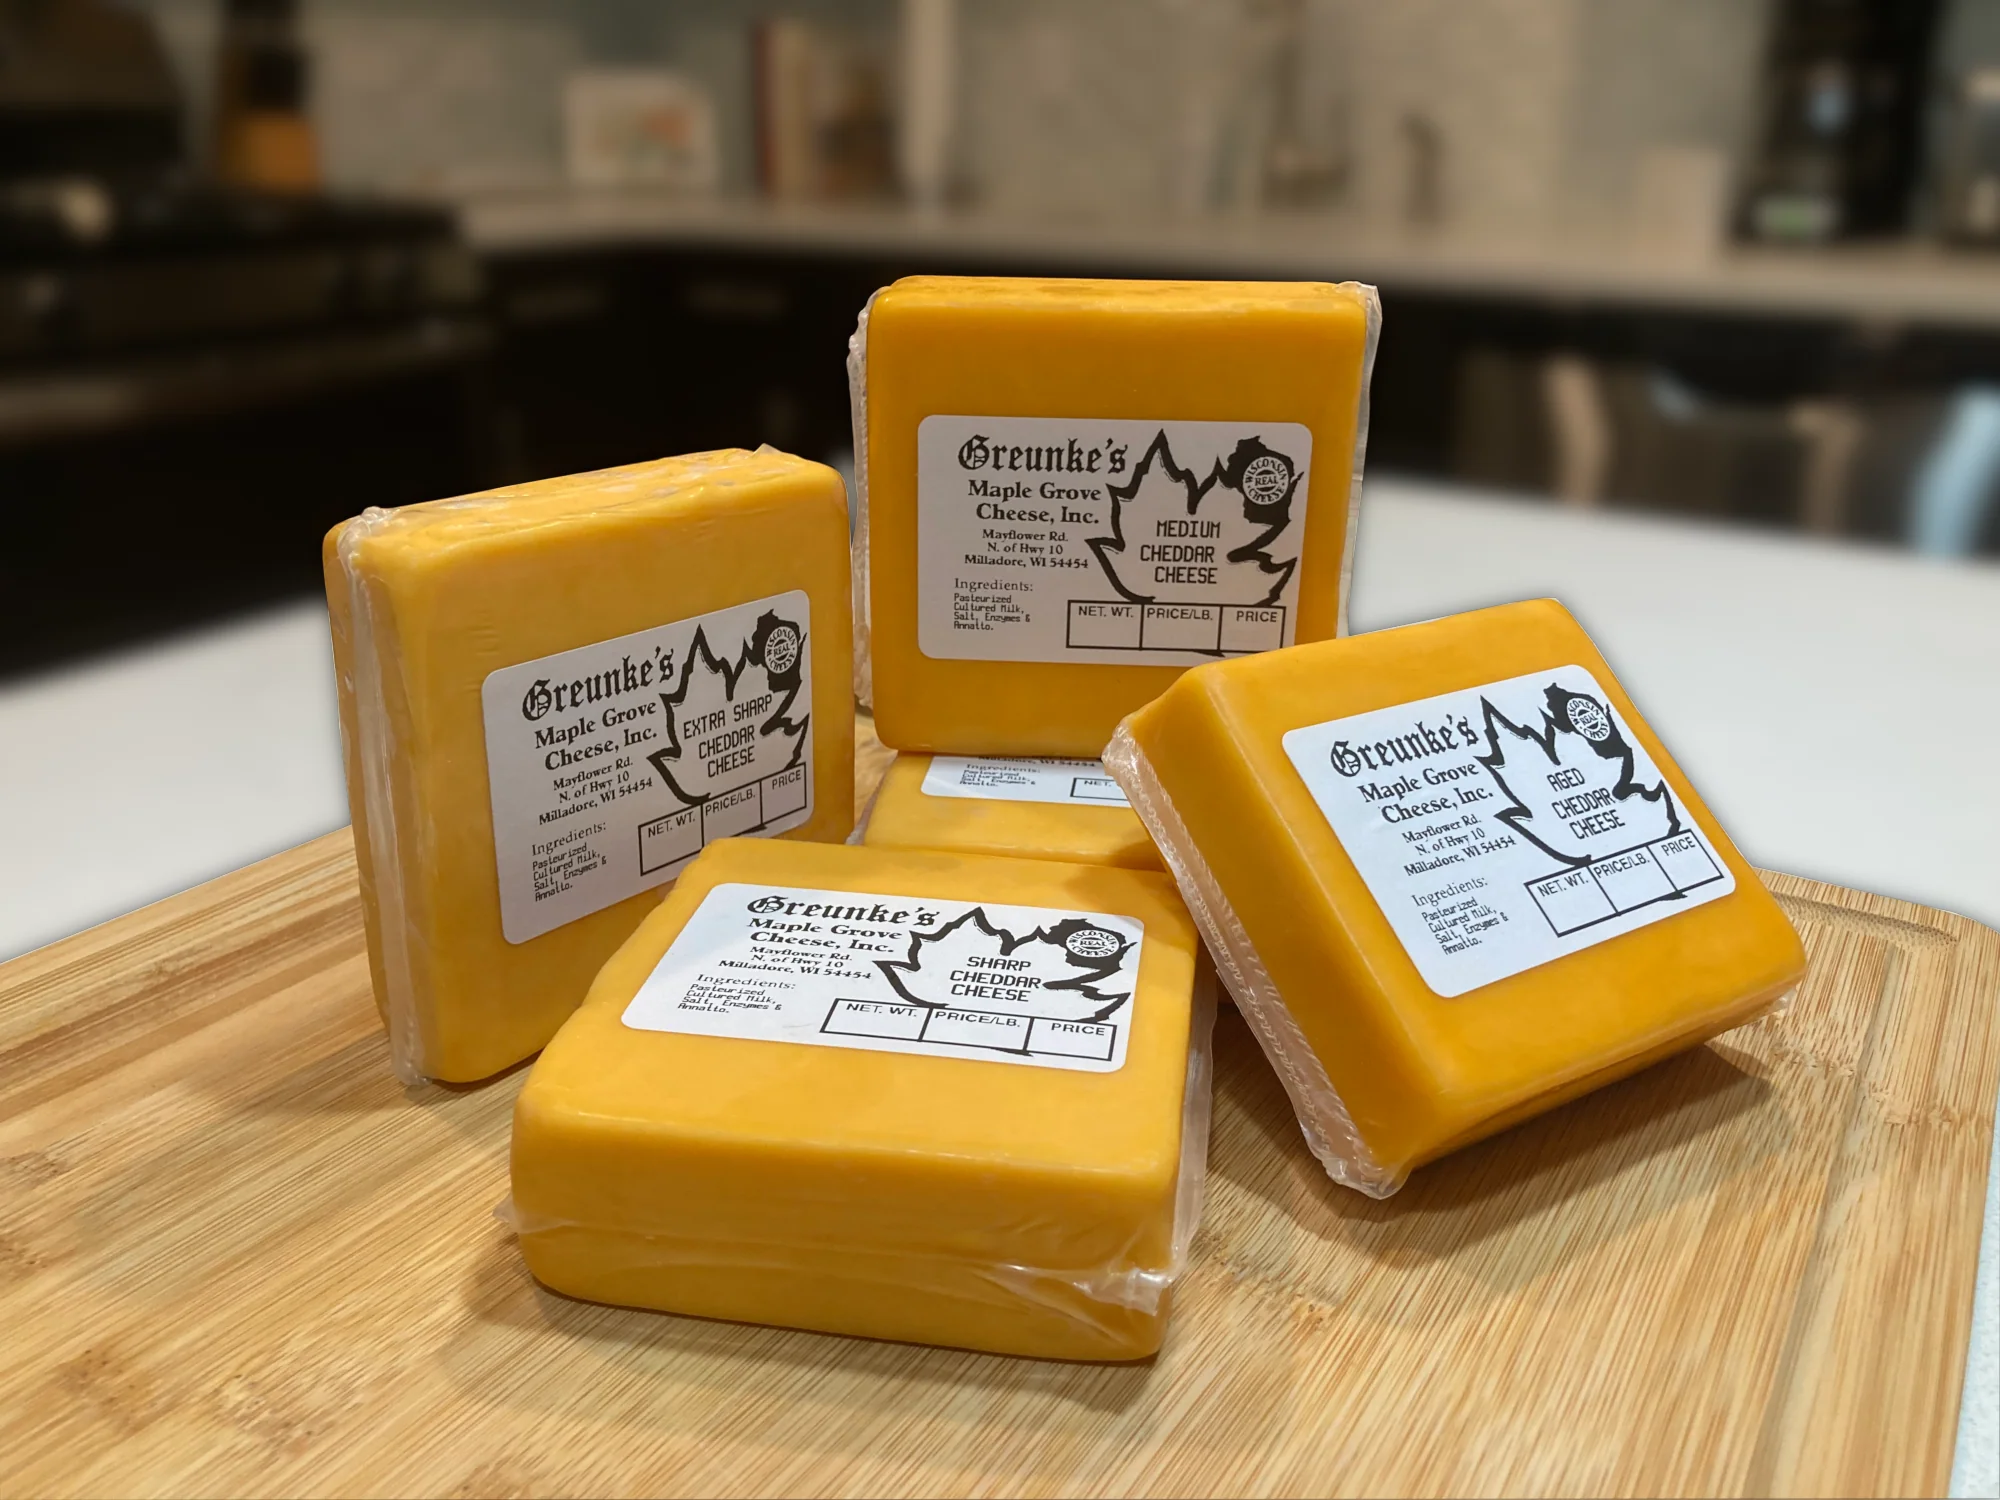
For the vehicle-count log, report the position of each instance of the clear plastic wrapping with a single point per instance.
(370, 746)
(1323, 1118)
(857, 399)
(1110, 1310)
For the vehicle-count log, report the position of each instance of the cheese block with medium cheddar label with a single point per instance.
(1072, 491)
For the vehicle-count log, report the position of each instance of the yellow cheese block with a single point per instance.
(1073, 490)
(551, 696)
(1450, 876)
(927, 1097)
(1068, 810)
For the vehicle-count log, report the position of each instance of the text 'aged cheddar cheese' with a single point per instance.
(937, 1098)
(552, 697)
(1450, 876)
(1069, 810)
(1073, 490)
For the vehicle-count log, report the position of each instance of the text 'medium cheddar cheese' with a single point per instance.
(938, 1098)
(1073, 490)
(1450, 876)
(552, 697)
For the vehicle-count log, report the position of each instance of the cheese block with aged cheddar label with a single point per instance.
(938, 1098)
(1450, 876)
(552, 697)
(1071, 491)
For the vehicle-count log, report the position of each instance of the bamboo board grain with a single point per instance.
(237, 1257)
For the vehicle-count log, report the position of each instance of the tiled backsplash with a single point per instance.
(1527, 111)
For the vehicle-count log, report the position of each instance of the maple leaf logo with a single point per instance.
(729, 722)
(1573, 792)
(1177, 537)
(1060, 972)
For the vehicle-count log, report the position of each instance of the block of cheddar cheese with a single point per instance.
(1020, 807)
(1450, 876)
(552, 697)
(935, 1098)
(1071, 491)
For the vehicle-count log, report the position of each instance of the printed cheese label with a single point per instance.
(1144, 543)
(1011, 984)
(1070, 783)
(612, 765)
(1504, 826)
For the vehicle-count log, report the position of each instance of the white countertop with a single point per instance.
(1873, 284)
(1839, 707)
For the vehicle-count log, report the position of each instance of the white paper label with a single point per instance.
(1012, 984)
(1069, 783)
(613, 764)
(1504, 826)
(1070, 540)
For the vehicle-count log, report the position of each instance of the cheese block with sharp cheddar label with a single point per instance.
(1450, 876)
(930, 1097)
(1071, 491)
(552, 697)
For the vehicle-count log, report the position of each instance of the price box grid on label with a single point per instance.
(680, 836)
(1225, 629)
(1614, 884)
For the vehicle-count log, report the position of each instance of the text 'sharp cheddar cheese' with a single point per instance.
(552, 697)
(937, 1098)
(1071, 491)
(1450, 876)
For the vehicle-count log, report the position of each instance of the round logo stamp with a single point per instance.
(1092, 943)
(781, 650)
(1266, 480)
(1588, 718)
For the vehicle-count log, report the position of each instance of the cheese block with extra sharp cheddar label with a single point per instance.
(552, 697)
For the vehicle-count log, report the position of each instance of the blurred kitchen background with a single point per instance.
(264, 262)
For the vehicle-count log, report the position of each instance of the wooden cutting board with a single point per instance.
(237, 1257)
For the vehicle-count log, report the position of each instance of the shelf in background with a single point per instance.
(1919, 284)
